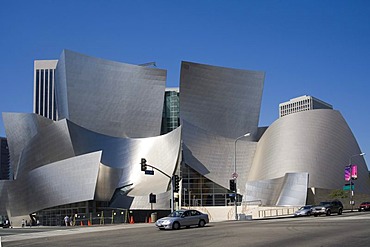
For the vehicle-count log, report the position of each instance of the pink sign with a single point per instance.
(354, 172)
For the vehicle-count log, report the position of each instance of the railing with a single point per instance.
(284, 211)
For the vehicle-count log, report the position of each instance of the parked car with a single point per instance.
(303, 211)
(181, 218)
(328, 208)
(365, 206)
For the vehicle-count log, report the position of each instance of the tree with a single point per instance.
(335, 194)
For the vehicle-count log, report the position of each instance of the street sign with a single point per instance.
(235, 175)
(149, 172)
(348, 187)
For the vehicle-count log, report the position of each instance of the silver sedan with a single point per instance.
(304, 211)
(180, 218)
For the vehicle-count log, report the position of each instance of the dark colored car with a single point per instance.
(365, 206)
(180, 218)
(328, 208)
(6, 224)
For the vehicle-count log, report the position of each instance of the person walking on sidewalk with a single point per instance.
(66, 220)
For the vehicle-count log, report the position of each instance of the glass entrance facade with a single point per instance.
(197, 190)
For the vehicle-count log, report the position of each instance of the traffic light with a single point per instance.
(232, 185)
(176, 183)
(152, 198)
(143, 164)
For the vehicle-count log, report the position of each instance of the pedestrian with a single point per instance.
(71, 220)
(66, 220)
(23, 222)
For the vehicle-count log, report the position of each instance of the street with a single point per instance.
(349, 228)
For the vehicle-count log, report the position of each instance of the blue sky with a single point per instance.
(315, 47)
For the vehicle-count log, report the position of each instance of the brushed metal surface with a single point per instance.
(217, 105)
(318, 142)
(108, 97)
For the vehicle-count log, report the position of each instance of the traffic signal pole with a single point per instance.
(144, 166)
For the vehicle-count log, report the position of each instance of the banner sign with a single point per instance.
(347, 173)
(354, 172)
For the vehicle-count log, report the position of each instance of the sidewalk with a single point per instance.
(60, 231)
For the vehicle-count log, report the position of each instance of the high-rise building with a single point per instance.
(302, 103)
(171, 110)
(44, 88)
(4, 159)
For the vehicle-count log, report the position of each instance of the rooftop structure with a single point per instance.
(302, 103)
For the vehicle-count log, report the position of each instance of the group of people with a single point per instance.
(25, 223)
(30, 223)
(68, 221)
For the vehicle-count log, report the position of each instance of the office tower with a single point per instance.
(44, 88)
(302, 103)
(171, 110)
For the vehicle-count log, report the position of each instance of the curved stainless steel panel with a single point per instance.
(126, 153)
(110, 98)
(318, 142)
(223, 101)
(67, 181)
(213, 156)
(219, 105)
(290, 190)
(51, 144)
(20, 128)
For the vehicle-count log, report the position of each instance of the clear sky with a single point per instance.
(314, 47)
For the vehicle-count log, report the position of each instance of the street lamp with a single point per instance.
(350, 178)
(235, 175)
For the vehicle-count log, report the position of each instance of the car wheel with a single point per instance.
(340, 211)
(315, 215)
(328, 213)
(309, 214)
(176, 225)
(201, 223)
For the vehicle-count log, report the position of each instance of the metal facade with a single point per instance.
(318, 142)
(110, 117)
(110, 98)
(217, 105)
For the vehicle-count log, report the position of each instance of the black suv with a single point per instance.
(328, 208)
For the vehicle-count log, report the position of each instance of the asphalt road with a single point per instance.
(351, 229)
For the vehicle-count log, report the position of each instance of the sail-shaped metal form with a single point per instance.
(109, 118)
(217, 105)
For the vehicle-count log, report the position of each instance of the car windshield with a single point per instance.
(176, 214)
(324, 203)
(305, 207)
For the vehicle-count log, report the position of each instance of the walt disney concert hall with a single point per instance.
(110, 116)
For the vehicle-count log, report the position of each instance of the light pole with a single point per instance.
(350, 178)
(235, 175)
